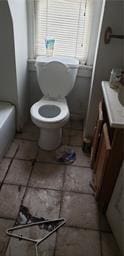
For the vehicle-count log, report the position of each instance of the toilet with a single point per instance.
(56, 77)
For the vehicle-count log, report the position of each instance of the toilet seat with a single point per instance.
(50, 122)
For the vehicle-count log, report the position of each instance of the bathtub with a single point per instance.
(7, 126)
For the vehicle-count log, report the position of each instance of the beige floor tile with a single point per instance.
(66, 136)
(77, 124)
(80, 210)
(23, 248)
(78, 179)
(47, 176)
(27, 150)
(50, 157)
(10, 200)
(66, 132)
(30, 132)
(19, 172)
(68, 125)
(109, 245)
(13, 148)
(4, 164)
(81, 158)
(4, 225)
(43, 203)
(77, 242)
(65, 140)
(46, 156)
(76, 138)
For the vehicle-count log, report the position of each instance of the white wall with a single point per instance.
(97, 8)
(8, 89)
(78, 97)
(108, 56)
(19, 18)
(13, 56)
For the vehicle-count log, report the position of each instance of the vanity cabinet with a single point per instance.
(107, 151)
(102, 158)
(96, 136)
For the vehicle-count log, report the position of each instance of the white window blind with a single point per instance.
(68, 22)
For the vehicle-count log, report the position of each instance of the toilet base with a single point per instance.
(50, 139)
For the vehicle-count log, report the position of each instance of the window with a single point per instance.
(74, 24)
(68, 22)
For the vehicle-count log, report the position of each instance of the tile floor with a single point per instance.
(32, 177)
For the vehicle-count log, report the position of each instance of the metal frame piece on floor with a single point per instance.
(36, 242)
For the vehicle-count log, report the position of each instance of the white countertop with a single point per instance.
(114, 108)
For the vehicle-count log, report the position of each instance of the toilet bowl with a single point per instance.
(56, 77)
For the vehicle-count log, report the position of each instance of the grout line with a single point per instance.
(32, 140)
(9, 238)
(43, 163)
(27, 160)
(26, 187)
(7, 245)
(61, 202)
(51, 189)
(8, 167)
(84, 228)
(67, 226)
(73, 129)
(78, 192)
(88, 228)
(2, 182)
(33, 163)
(100, 237)
(12, 184)
(58, 163)
(7, 218)
(62, 191)
(23, 159)
(53, 163)
(105, 231)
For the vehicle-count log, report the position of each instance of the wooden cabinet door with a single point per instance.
(102, 158)
(96, 137)
(114, 163)
(115, 210)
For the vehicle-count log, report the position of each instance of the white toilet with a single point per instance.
(56, 77)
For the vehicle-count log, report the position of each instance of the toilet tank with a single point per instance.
(70, 63)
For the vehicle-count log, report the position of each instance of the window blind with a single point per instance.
(68, 22)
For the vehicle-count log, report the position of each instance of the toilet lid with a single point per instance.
(55, 80)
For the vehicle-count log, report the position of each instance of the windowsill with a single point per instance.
(83, 71)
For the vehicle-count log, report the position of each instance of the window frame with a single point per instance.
(94, 28)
